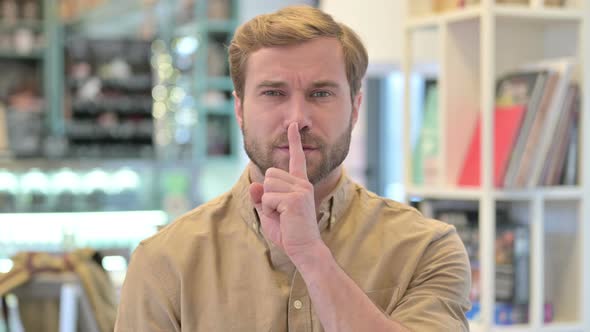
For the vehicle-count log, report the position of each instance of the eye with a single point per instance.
(321, 94)
(272, 93)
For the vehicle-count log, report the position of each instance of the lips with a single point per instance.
(305, 148)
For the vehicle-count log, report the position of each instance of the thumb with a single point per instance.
(256, 192)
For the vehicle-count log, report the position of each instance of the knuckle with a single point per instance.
(271, 172)
(268, 184)
(299, 198)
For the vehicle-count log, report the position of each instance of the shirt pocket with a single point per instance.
(385, 299)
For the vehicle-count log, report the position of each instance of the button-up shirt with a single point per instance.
(214, 270)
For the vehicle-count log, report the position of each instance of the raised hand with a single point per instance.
(285, 202)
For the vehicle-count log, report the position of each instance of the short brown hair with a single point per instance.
(292, 25)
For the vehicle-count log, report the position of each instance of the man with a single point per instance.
(296, 245)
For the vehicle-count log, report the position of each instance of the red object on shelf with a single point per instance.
(507, 121)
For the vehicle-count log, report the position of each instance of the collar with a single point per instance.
(331, 209)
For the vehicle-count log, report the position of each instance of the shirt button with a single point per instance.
(297, 304)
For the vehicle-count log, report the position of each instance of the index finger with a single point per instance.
(297, 166)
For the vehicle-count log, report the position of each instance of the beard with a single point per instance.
(330, 156)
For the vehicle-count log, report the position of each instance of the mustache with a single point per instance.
(307, 139)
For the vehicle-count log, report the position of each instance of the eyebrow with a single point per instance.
(280, 84)
(324, 84)
(271, 84)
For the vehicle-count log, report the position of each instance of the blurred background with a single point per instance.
(116, 117)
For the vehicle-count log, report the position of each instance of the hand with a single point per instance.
(285, 202)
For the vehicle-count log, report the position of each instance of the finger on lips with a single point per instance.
(297, 165)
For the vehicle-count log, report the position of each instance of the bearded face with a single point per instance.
(321, 157)
(306, 84)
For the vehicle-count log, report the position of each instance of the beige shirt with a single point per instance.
(213, 269)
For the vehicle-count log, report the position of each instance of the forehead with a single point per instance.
(318, 59)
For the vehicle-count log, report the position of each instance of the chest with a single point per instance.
(251, 288)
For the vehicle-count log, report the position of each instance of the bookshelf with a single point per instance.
(30, 44)
(215, 144)
(467, 50)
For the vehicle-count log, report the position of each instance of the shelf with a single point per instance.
(564, 14)
(434, 20)
(562, 327)
(36, 25)
(527, 328)
(12, 55)
(553, 193)
(119, 104)
(465, 193)
(137, 83)
(444, 193)
(109, 10)
(553, 327)
(512, 328)
(475, 326)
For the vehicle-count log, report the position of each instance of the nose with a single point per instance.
(298, 110)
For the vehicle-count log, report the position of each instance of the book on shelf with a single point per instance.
(533, 104)
(512, 250)
(533, 128)
(530, 176)
(426, 152)
(556, 156)
(507, 121)
(516, 92)
(570, 173)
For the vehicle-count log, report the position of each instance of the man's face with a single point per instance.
(304, 83)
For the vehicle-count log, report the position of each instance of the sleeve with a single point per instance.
(438, 294)
(149, 296)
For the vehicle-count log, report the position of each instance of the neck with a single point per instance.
(321, 189)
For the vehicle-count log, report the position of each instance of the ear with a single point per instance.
(356, 105)
(238, 109)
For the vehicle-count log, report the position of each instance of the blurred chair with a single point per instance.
(61, 293)
(44, 294)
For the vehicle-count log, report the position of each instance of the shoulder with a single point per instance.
(184, 233)
(399, 217)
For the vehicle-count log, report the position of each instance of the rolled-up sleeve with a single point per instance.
(149, 295)
(438, 294)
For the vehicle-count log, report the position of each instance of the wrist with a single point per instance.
(310, 256)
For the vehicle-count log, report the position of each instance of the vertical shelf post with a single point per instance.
(487, 203)
(537, 229)
(53, 68)
(585, 164)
